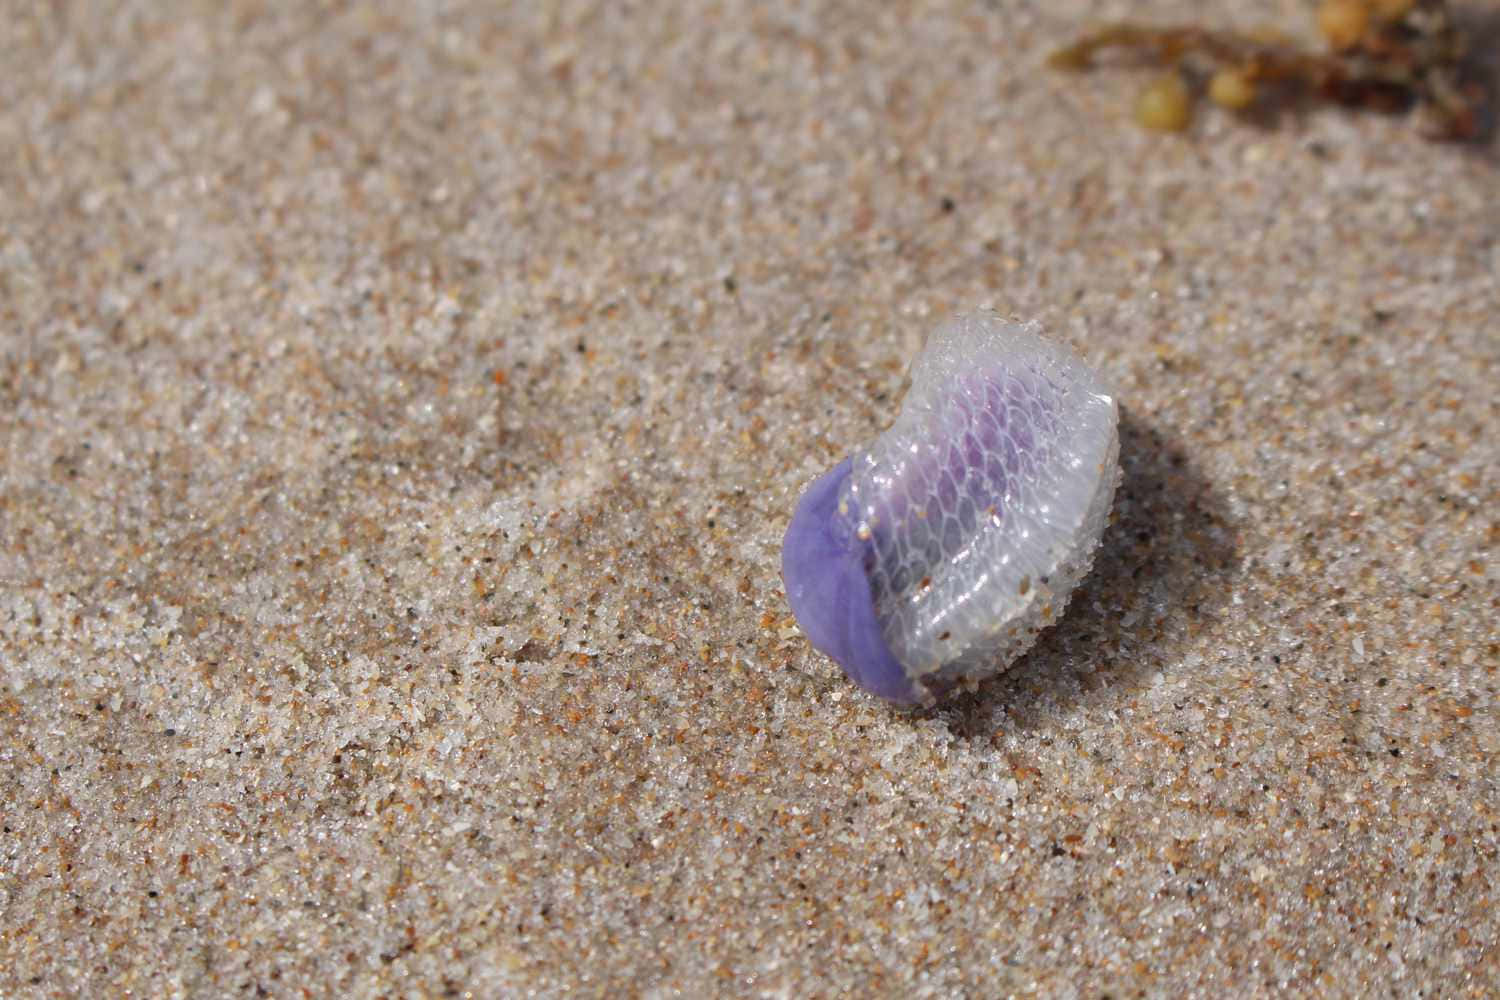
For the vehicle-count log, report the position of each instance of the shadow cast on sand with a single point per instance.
(1169, 553)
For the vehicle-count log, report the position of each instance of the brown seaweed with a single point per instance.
(1386, 55)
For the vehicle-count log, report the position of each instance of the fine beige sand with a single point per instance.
(401, 405)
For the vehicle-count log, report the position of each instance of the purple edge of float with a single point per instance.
(822, 566)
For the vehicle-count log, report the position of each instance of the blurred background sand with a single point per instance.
(401, 406)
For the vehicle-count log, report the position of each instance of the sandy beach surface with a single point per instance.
(401, 406)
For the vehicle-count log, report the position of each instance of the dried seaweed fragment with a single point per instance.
(1385, 55)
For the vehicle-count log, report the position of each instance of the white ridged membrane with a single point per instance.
(985, 500)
